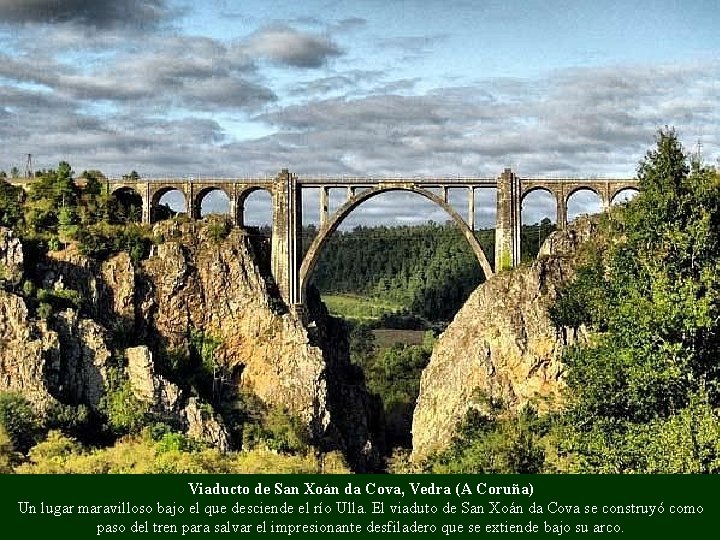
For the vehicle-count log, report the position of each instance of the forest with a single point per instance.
(425, 272)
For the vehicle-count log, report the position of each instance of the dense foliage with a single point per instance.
(392, 373)
(644, 393)
(57, 209)
(494, 440)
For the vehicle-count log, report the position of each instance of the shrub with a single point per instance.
(19, 420)
(8, 456)
(125, 412)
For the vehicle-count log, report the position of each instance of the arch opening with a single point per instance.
(255, 212)
(343, 220)
(212, 201)
(583, 201)
(538, 219)
(167, 203)
(392, 260)
(125, 206)
(624, 195)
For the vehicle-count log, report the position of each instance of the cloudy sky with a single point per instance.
(373, 87)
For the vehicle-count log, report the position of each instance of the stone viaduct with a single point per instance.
(292, 271)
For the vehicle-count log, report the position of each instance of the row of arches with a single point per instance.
(541, 202)
(254, 207)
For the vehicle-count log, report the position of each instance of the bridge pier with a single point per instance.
(146, 205)
(286, 250)
(232, 210)
(471, 208)
(507, 228)
(561, 211)
(324, 206)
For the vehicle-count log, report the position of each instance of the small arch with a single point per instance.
(575, 189)
(167, 202)
(541, 189)
(336, 220)
(254, 207)
(538, 219)
(624, 195)
(211, 200)
(125, 205)
(583, 200)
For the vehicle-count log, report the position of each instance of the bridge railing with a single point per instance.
(314, 180)
(195, 179)
(374, 180)
(578, 180)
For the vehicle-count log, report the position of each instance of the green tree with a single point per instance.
(11, 210)
(654, 304)
(494, 441)
(19, 420)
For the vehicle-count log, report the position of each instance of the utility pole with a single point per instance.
(699, 147)
(29, 173)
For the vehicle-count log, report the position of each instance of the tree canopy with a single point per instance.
(644, 392)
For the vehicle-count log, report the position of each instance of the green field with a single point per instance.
(360, 308)
(386, 338)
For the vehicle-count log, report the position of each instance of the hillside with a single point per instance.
(427, 271)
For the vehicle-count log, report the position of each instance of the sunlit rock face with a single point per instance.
(194, 283)
(501, 345)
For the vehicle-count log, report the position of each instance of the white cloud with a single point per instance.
(287, 46)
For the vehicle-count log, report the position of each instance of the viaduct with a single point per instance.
(292, 271)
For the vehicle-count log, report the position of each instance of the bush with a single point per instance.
(73, 419)
(489, 443)
(8, 456)
(44, 311)
(125, 413)
(218, 230)
(19, 420)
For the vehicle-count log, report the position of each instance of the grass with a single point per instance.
(361, 308)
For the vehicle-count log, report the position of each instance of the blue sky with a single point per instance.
(232, 88)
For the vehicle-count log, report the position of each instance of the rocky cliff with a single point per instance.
(501, 345)
(201, 282)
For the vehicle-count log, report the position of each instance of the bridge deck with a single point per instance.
(363, 180)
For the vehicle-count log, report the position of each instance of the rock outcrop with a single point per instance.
(201, 282)
(11, 257)
(500, 346)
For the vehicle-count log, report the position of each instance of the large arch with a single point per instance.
(311, 257)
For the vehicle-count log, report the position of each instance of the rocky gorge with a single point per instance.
(198, 285)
